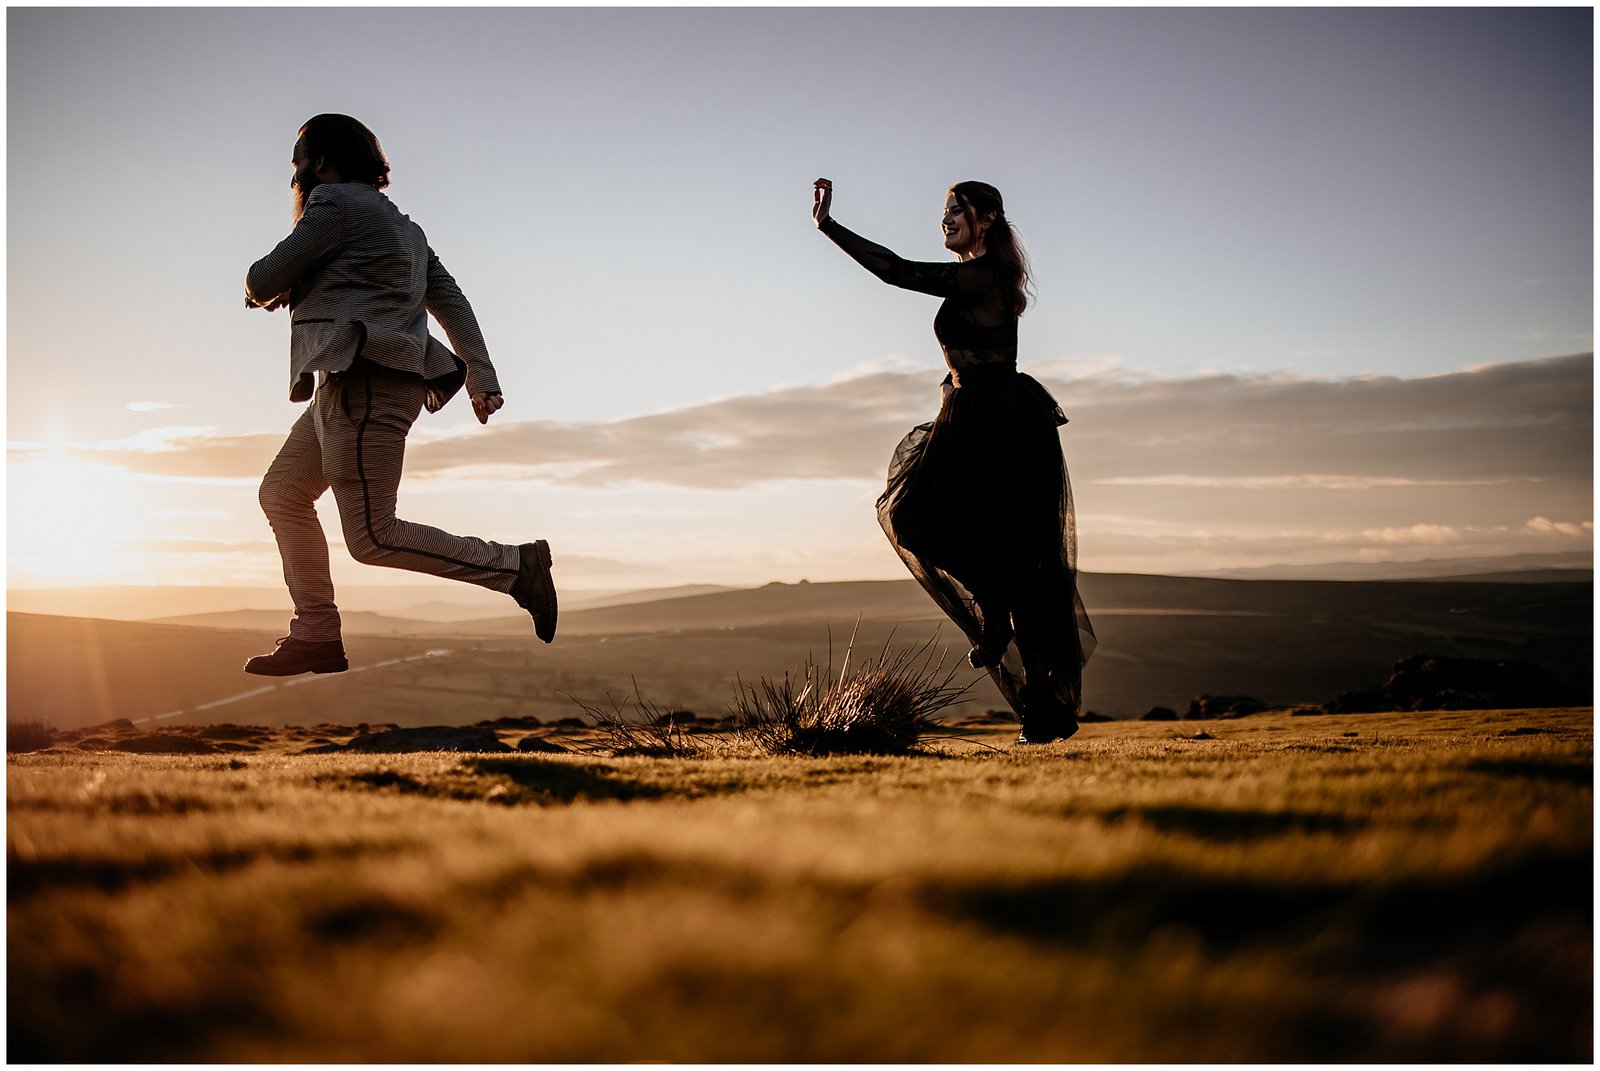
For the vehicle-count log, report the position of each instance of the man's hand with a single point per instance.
(821, 200)
(485, 403)
(273, 305)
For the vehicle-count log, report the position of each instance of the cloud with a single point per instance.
(1525, 423)
(895, 362)
(194, 514)
(150, 407)
(1540, 334)
(1208, 471)
(1423, 534)
(199, 453)
(253, 548)
(1309, 482)
(1152, 547)
(1545, 526)
(164, 439)
(841, 430)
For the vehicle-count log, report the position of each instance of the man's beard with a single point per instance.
(302, 184)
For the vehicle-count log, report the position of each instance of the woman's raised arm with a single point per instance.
(939, 278)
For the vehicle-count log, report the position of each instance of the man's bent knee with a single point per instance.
(271, 496)
(365, 551)
(279, 497)
(371, 545)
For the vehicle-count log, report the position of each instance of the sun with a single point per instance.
(68, 522)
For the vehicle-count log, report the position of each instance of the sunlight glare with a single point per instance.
(68, 522)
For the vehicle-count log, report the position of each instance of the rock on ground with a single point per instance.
(425, 738)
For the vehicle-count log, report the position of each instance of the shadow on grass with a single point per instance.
(558, 782)
(389, 779)
(1519, 934)
(39, 1031)
(1212, 824)
(371, 920)
(26, 877)
(1553, 770)
(1371, 925)
(505, 781)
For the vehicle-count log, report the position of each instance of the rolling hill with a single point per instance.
(1512, 568)
(440, 600)
(1162, 640)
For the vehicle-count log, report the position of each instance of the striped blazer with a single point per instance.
(361, 281)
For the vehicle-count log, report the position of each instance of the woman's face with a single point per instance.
(958, 236)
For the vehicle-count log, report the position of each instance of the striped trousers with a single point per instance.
(352, 438)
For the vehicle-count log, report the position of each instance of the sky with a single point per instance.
(1314, 285)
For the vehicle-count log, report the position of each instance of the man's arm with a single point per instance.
(450, 307)
(313, 238)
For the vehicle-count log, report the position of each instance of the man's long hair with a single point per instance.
(346, 145)
(979, 199)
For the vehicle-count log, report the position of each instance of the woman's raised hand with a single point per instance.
(821, 200)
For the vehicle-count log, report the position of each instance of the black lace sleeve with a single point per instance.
(947, 279)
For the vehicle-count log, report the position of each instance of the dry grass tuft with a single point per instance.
(28, 736)
(651, 729)
(882, 706)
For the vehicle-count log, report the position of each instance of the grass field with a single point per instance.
(1399, 887)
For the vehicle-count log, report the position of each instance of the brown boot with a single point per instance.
(294, 657)
(534, 589)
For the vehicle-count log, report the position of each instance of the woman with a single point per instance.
(978, 504)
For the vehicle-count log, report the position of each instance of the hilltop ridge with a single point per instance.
(1162, 641)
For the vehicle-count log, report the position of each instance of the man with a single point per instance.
(359, 281)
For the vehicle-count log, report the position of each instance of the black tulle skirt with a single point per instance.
(979, 507)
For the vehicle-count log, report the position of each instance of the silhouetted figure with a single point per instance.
(978, 504)
(359, 281)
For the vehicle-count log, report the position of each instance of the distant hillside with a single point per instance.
(773, 604)
(1105, 594)
(594, 601)
(1162, 640)
(75, 671)
(1508, 568)
(438, 601)
(442, 601)
(355, 623)
(135, 602)
(1525, 576)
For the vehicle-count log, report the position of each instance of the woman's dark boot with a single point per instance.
(1045, 718)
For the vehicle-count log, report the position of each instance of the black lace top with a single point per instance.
(975, 325)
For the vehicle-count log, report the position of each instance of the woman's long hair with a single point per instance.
(979, 199)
